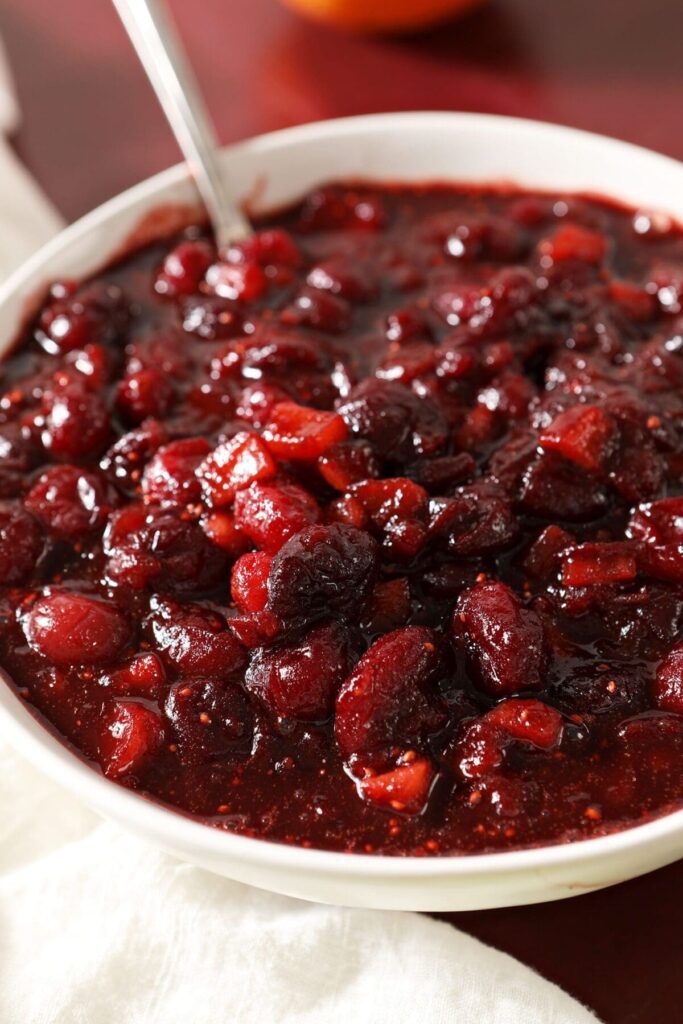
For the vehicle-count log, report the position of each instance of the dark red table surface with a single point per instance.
(92, 128)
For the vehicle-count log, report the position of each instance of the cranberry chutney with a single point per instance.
(369, 536)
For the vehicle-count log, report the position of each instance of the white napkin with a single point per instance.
(98, 928)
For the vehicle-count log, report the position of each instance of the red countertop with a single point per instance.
(92, 128)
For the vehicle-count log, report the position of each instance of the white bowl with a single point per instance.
(272, 170)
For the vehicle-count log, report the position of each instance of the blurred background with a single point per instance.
(92, 127)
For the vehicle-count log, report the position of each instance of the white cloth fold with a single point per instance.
(98, 928)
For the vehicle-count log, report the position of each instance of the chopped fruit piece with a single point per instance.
(256, 629)
(504, 639)
(302, 680)
(667, 688)
(220, 528)
(391, 697)
(130, 735)
(142, 676)
(170, 476)
(234, 465)
(194, 640)
(299, 433)
(405, 789)
(591, 564)
(320, 571)
(383, 500)
(269, 514)
(211, 719)
(573, 242)
(70, 628)
(70, 502)
(584, 434)
(249, 581)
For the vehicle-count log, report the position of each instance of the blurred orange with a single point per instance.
(382, 15)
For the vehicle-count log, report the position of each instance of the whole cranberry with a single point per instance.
(397, 423)
(301, 680)
(184, 268)
(504, 638)
(77, 423)
(69, 501)
(125, 461)
(144, 394)
(130, 735)
(193, 639)
(320, 571)
(391, 697)
(667, 687)
(21, 543)
(152, 546)
(74, 629)
(170, 477)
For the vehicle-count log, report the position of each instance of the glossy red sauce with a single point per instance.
(367, 537)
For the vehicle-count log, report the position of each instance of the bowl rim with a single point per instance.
(170, 826)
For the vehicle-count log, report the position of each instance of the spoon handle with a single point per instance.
(169, 72)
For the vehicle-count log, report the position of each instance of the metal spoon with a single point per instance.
(159, 49)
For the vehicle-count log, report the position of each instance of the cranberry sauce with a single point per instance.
(368, 536)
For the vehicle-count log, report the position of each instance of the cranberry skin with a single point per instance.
(130, 735)
(194, 640)
(301, 680)
(269, 514)
(391, 697)
(505, 639)
(211, 719)
(69, 501)
(144, 394)
(184, 268)
(21, 543)
(77, 424)
(483, 747)
(170, 477)
(667, 687)
(320, 571)
(72, 629)
(397, 423)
